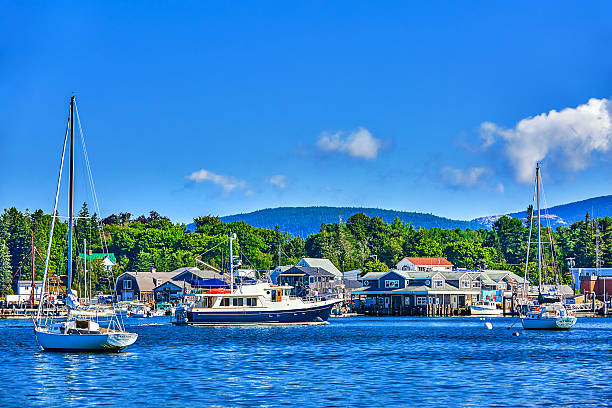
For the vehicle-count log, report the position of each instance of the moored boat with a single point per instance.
(76, 333)
(552, 316)
(485, 308)
(259, 303)
(549, 313)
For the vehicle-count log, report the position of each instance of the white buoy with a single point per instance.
(515, 334)
(488, 325)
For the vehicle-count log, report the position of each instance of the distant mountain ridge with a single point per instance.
(564, 214)
(304, 221)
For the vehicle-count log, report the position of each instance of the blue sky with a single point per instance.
(194, 108)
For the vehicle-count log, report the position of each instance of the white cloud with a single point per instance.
(500, 188)
(279, 181)
(568, 138)
(227, 183)
(462, 178)
(359, 143)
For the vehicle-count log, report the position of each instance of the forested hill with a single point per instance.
(304, 221)
(565, 214)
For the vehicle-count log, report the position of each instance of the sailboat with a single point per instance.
(548, 313)
(74, 333)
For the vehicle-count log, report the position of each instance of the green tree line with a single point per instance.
(366, 243)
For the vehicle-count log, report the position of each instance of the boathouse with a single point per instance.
(307, 281)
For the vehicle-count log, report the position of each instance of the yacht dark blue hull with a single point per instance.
(315, 314)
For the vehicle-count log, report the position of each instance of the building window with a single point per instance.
(475, 284)
(366, 282)
(438, 283)
(225, 302)
(251, 301)
(127, 284)
(390, 284)
(421, 300)
(238, 302)
(465, 283)
(407, 300)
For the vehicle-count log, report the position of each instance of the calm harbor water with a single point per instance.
(350, 362)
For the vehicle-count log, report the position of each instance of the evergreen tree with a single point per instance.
(5, 267)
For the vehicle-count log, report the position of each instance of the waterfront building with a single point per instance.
(424, 264)
(273, 275)
(401, 292)
(171, 291)
(141, 285)
(24, 292)
(594, 280)
(308, 281)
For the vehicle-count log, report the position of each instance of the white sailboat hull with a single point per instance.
(112, 341)
(549, 323)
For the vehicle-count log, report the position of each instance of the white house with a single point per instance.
(423, 264)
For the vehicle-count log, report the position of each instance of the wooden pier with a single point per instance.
(29, 312)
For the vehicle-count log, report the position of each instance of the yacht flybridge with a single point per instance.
(75, 333)
(260, 303)
(547, 313)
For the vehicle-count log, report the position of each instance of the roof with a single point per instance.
(100, 255)
(411, 289)
(322, 263)
(373, 275)
(352, 284)
(307, 271)
(178, 284)
(200, 273)
(146, 281)
(453, 275)
(424, 261)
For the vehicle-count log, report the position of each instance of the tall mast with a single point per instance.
(33, 269)
(539, 229)
(231, 265)
(71, 198)
(85, 267)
